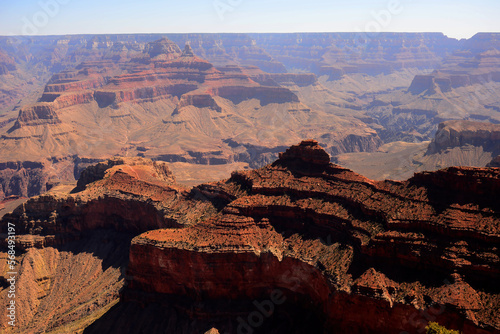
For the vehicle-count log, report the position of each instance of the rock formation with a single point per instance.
(298, 245)
(462, 87)
(7, 64)
(164, 47)
(181, 75)
(30, 178)
(238, 98)
(336, 54)
(74, 248)
(452, 134)
(149, 102)
(483, 68)
(114, 188)
(303, 234)
(456, 143)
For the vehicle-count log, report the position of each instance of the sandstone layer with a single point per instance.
(319, 237)
(298, 245)
(72, 250)
(156, 101)
(483, 68)
(461, 133)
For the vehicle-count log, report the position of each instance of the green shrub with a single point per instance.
(435, 328)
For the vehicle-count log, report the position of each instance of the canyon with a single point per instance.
(456, 143)
(161, 182)
(232, 98)
(310, 245)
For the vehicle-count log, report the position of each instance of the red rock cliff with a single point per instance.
(359, 250)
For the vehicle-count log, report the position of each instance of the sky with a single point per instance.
(454, 18)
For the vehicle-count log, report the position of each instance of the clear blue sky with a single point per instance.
(455, 18)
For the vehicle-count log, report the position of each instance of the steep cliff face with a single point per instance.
(7, 64)
(83, 79)
(97, 172)
(297, 246)
(452, 134)
(72, 250)
(64, 90)
(30, 178)
(192, 73)
(23, 179)
(36, 115)
(112, 194)
(357, 250)
(483, 68)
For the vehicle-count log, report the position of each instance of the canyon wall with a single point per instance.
(452, 134)
(300, 245)
(357, 250)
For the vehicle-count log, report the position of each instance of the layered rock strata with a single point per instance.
(72, 250)
(126, 194)
(302, 243)
(483, 68)
(309, 230)
(452, 134)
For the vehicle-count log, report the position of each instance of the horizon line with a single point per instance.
(253, 32)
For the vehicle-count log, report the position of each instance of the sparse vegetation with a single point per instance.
(435, 328)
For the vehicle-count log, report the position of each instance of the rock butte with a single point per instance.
(460, 133)
(351, 94)
(149, 104)
(333, 250)
(485, 67)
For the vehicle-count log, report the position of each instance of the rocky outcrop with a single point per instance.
(126, 194)
(81, 81)
(483, 68)
(36, 115)
(304, 244)
(7, 64)
(421, 83)
(75, 247)
(64, 90)
(22, 179)
(212, 331)
(163, 49)
(198, 101)
(266, 95)
(32, 178)
(97, 172)
(307, 151)
(302, 230)
(452, 134)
